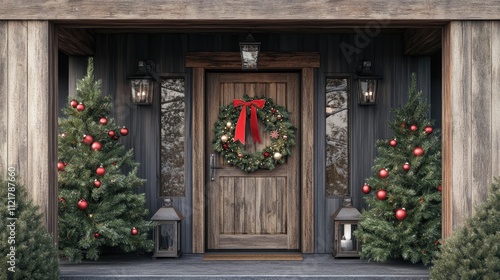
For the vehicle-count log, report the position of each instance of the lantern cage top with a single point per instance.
(367, 83)
(167, 212)
(249, 50)
(347, 212)
(142, 82)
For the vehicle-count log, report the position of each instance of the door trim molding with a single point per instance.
(306, 62)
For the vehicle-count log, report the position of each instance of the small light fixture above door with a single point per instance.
(249, 50)
(142, 83)
(367, 84)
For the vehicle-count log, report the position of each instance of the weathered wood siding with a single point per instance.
(117, 56)
(28, 110)
(470, 97)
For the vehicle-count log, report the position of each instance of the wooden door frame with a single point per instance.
(303, 61)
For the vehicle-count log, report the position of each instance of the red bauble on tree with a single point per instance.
(88, 139)
(428, 130)
(97, 183)
(134, 231)
(80, 107)
(82, 204)
(103, 121)
(418, 151)
(413, 127)
(97, 235)
(383, 173)
(406, 166)
(100, 171)
(440, 188)
(266, 154)
(225, 146)
(366, 189)
(393, 143)
(111, 133)
(381, 195)
(62, 199)
(96, 146)
(124, 131)
(400, 214)
(73, 103)
(60, 166)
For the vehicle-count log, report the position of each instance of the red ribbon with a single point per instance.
(242, 120)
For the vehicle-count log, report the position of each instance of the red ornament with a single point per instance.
(273, 110)
(114, 163)
(103, 121)
(88, 139)
(440, 188)
(116, 137)
(225, 146)
(96, 146)
(80, 107)
(383, 173)
(97, 235)
(401, 214)
(97, 183)
(266, 154)
(124, 131)
(413, 127)
(82, 204)
(100, 171)
(62, 199)
(111, 133)
(406, 166)
(134, 231)
(381, 195)
(60, 166)
(403, 124)
(428, 130)
(73, 103)
(418, 152)
(366, 189)
(393, 143)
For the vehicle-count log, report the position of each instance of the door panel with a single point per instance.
(258, 210)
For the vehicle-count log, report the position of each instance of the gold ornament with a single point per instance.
(91, 216)
(279, 117)
(285, 137)
(224, 138)
(240, 155)
(229, 124)
(277, 156)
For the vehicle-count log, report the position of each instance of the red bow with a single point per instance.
(241, 125)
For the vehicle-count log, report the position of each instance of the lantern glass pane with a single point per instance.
(347, 240)
(367, 90)
(142, 90)
(168, 237)
(249, 55)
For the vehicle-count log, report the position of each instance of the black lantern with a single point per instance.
(367, 84)
(167, 233)
(142, 84)
(345, 222)
(250, 50)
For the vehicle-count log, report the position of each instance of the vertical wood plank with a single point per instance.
(228, 209)
(495, 97)
(270, 190)
(307, 193)
(3, 97)
(250, 200)
(52, 132)
(281, 198)
(239, 205)
(38, 113)
(198, 160)
(17, 139)
(481, 97)
(260, 199)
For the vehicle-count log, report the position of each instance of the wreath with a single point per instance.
(230, 130)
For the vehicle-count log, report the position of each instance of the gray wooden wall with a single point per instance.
(117, 56)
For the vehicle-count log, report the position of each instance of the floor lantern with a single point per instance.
(167, 233)
(345, 222)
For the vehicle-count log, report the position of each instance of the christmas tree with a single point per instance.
(98, 202)
(28, 250)
(472, 251)
(404, 215)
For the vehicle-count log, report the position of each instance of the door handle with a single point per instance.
(213, 167)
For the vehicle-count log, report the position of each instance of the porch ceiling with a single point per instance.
(78, 37)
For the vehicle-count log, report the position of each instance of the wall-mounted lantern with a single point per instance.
(142, 83)
(345, 222)
(167, 233)
(250, 50)
(367, 84)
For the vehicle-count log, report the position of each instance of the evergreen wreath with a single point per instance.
(275, 118)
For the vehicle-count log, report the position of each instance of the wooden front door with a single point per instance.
(258, 210)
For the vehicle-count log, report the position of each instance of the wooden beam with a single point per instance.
(4, 70)
(270, 60)
(256, 9)
(424, 41)
(76, 41)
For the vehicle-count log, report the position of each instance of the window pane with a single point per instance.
(172, 137)
(337, 137)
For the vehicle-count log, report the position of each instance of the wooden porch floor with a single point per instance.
(191, 266)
